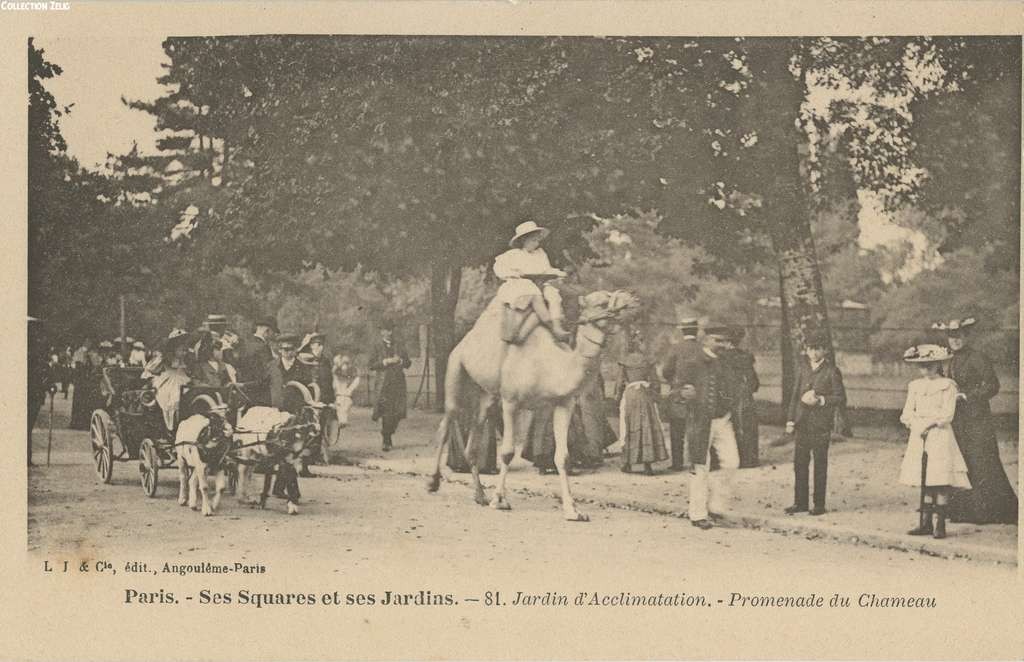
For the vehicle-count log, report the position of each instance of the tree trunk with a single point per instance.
(779, 94)
(445, 281)
(785, 348)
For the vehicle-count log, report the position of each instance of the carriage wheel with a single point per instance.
(149, 466)
(101, 433)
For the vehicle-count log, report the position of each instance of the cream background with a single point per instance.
(78, 617)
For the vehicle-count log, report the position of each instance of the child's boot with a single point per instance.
(924, 526)
(940, 522)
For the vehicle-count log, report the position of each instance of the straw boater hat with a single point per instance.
(138, 344)
(527, 228)
(955, 326)
(926, 354)
(714, 329)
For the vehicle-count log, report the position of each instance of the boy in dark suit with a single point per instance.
(816, 394)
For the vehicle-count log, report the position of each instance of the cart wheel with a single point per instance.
(101, 432)
(149, 467)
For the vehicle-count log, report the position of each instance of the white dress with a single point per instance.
(511, 266)
(932, 401)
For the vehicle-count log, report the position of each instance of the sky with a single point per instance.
(97, 73)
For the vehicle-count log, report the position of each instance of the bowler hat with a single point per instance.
(287, 340)
(816, 339)
(268, 321)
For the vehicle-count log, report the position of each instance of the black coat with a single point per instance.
(678, 371)
(320, 371)
(391, 389)
(827, 382)
(287, 399)
(253, 368)
(712, 382)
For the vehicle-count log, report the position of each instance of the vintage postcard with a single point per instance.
(511, 330)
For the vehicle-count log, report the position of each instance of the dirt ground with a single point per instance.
(366, 532)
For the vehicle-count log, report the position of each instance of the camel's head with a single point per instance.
(607, 310)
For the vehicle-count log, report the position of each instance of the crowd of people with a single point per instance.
(703, 390)
(260, 366)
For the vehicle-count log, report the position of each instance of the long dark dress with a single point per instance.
(744, 413)
(458, 437)
(639, 422)
(991, 499)
(598, 434)
(539, 447)
(87, 395)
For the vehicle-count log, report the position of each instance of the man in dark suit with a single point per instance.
(255, 362)
(675, 370)
(816, 394)
(709, 429)
(287, 368)
(389, 359)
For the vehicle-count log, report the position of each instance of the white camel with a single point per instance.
(535, 373)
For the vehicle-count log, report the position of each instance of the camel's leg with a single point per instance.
(473, 447)
(560, 422)
(505, 453)
(440, 439)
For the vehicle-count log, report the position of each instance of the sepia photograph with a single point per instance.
(496, 344)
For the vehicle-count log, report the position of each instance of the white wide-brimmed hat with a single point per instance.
(955, 325)
(529, 227)
(926, 354)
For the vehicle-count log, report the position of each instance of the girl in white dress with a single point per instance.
(932, 451)
(520, 268)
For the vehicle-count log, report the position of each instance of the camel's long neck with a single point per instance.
(589, 345)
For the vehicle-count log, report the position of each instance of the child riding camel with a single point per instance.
(526, 270)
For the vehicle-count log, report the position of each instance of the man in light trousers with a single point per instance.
(710, 430)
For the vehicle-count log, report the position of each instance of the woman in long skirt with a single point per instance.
(539, 447)
(991, 499)
(639, 423)
(932, 453)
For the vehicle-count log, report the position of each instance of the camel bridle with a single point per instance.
(587, 333)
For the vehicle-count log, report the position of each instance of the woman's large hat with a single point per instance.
(174, 338)
(955, 325)
(528, 227)
(926, 354)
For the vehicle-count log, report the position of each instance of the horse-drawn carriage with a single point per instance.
(130, 427)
